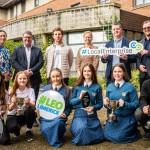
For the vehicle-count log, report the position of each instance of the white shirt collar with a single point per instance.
(58, 87)
(120, 82)
(89, 83)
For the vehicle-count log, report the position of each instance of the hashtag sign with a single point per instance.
(42, 100)
(83, 51)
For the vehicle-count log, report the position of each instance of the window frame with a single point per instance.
(36, 3)
(23, 7)
(143, 3)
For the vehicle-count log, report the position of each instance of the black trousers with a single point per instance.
(143, 79)
(4, 137)
(142, 118)
(14, 122)
(36, 89)
(66, 81)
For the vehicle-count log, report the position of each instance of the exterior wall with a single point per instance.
(3, 14)
(129, 5)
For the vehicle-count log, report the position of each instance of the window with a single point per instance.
(141, 2)
(12, 12)
(23, 7)
(75, 5)
(36, 3)
(104, 1)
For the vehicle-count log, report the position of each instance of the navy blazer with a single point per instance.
(139, 60)
(131, 58)
(19, 62)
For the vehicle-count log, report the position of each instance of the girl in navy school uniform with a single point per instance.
(4, 135)
(53, 130)
(86, 127)
(125, 129)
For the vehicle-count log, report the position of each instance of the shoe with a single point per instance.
(147, 136)
(16, 135)
(29, 136)
(35, 124)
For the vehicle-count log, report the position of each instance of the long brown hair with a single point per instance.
(81, 78)
(122, 66)
(16, 85)
(2, 89)
(58, 70)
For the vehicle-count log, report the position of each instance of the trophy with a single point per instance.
(113, 105)
(20, 106)
(85, 100)
(147, 126)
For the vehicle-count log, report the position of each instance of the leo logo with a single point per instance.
(136, 45)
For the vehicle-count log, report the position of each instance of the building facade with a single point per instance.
(74, 17)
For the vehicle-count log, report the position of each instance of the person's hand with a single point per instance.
(146, 109)
(142, 68)
(144, 52)
(26, 101)
(121, 103)
(5, 74)
(13, 100)
(89, 109)
(27, 72)
(78, 73)
(63, 115)
(37, 112)
(123, 56)
(105, 56)
(82, 94)
(106, 101)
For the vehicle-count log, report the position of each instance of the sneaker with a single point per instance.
(147, 136)
(35, 124)
(29, 136)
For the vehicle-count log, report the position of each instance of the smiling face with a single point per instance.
(56, 78)
(116, 31)
(2, 38)
(87, 38)
(118, 74)
(22, 80)
(27, 40)
(146, 29)
(87, 74)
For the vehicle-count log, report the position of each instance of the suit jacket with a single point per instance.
(131, 58)
(139, 61)
(19, 62)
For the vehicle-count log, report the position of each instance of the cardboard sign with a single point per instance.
(50, 104)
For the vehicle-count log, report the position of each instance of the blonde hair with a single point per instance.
(87, 32)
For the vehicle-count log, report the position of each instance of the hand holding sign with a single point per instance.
(50, 104)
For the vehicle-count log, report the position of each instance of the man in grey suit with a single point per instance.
(29, 59)
(143, 58)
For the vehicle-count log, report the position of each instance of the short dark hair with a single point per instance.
(4, 32)
(58, 29)
(118, 23)
(28, 32)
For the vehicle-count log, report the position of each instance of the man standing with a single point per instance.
(29, 59)
(59, 55)
(118, 41)
(143, 58)
(142, 114)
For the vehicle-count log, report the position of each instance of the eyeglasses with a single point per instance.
(148, 28)
(27, 37)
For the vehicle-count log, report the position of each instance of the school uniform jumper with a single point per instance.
(86, 128)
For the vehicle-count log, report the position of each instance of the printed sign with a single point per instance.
(134, 48)
(50, 104)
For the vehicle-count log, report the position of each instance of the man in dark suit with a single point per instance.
(142, 114)
(118, 41)
(143, 58)
(29, 59)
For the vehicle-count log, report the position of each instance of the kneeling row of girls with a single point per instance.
(85, 127)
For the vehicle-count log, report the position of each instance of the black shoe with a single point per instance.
(29, 136)
(147, 136)
(35, 124)
(16, 135)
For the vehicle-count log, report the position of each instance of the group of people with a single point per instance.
(86, 127)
